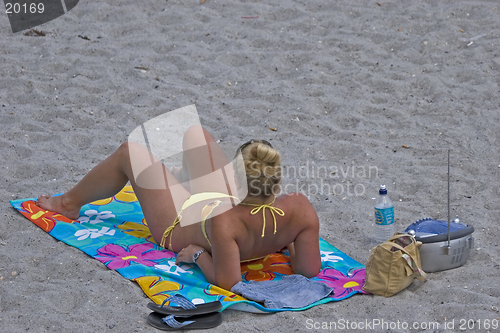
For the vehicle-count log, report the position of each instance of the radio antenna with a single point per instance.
(448, 201)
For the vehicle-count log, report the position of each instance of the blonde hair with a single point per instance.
(262, 168)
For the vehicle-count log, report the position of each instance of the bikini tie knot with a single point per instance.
(272, 209)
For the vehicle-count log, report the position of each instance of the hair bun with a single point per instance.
(263, 169)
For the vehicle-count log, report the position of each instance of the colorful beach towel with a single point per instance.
(114, 232)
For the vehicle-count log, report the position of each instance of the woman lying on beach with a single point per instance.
(230, 230)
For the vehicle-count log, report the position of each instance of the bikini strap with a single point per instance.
(195, 198)
(169, 231)
(272, 209)
(202, 196)
(205, 213)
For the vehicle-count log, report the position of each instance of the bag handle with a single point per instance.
(399, 235)
(411, 262)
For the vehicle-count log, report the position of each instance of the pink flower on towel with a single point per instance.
(343, 285)
(115, 256)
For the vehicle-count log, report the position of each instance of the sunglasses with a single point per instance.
(253, 141)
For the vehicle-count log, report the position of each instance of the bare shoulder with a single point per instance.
(224, 224)
(301, 207)
(297, 197)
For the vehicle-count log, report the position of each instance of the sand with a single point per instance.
(381, 88)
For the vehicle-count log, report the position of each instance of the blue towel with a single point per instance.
(292, 291)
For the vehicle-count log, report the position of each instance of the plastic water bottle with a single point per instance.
(384, 216)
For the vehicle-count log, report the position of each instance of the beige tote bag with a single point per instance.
(393, 265)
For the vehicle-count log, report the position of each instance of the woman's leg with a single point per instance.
(103, 181)
(160, 206)
(158, 191)
(206, 163)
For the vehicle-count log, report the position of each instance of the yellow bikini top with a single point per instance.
(207, 210)
(198, 197)
(273, 210)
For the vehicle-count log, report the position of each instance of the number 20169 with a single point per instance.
(478, 324)
(16, 8)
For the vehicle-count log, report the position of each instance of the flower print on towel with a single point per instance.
(42, 218)
(266, 268)
(94, 217)
(342, 285)
(138, 230)
(114, 256)
(93, 233)
(126, 195)
(329, 256)
(172, 268)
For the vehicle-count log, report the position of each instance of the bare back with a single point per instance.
(236, 235)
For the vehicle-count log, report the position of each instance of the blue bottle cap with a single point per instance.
(382, 190)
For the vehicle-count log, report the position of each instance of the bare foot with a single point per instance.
(60, 205)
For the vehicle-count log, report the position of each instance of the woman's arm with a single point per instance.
(307, 259)
(304, 252)
(204, 261)
(222, 268)
(225, 251)
(291, 253)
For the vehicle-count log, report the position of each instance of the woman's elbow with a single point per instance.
(312, 272)
(227, 285)
(225, 281)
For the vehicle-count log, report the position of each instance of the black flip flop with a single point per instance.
(170, 323)
(186, 308)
